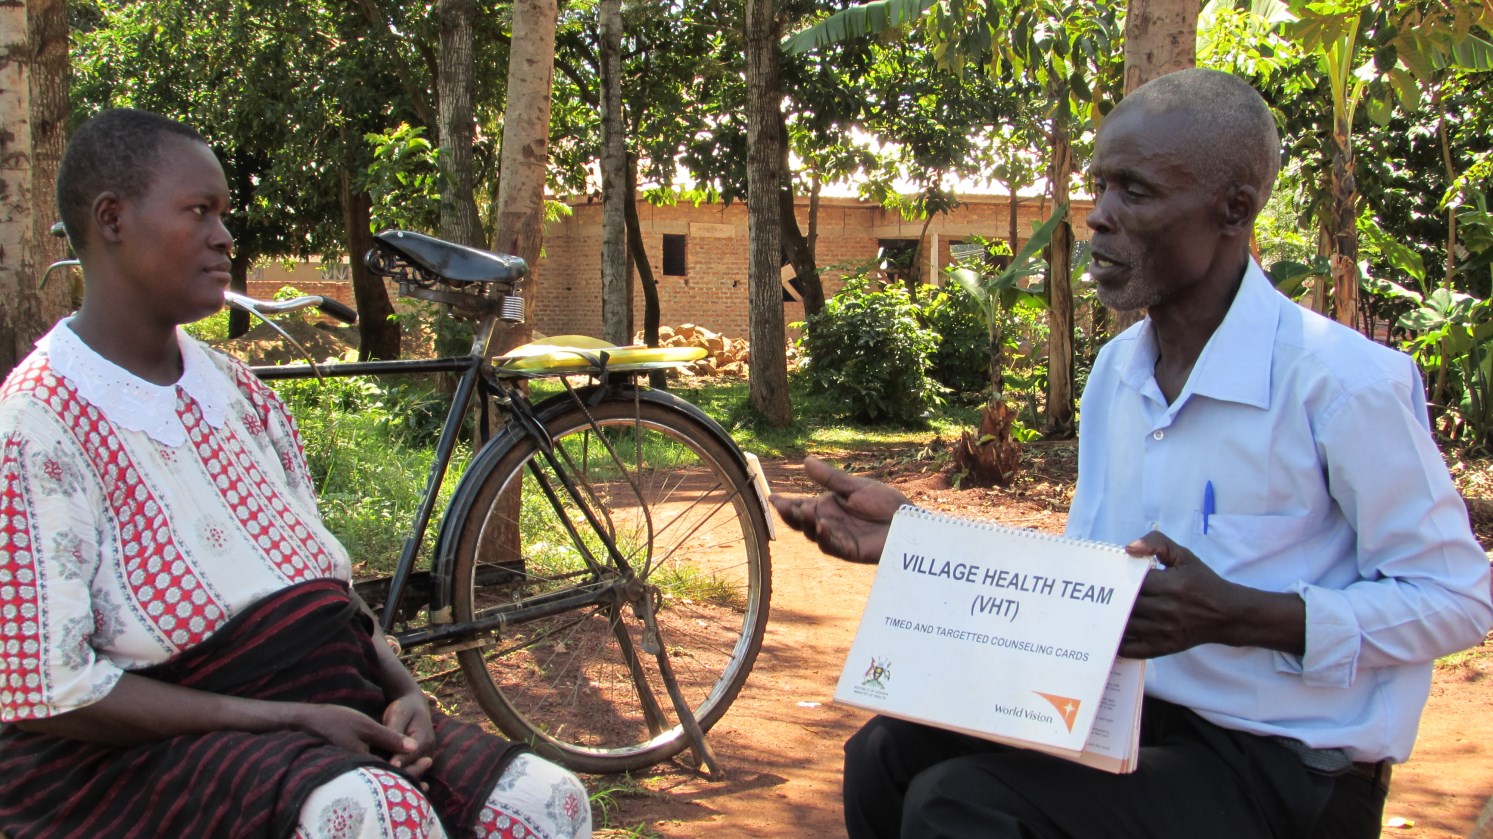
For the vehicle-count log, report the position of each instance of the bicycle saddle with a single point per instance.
(450, 261)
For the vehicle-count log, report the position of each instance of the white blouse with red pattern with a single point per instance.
(137, 519)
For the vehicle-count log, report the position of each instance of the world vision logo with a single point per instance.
(1067, 708)
(878, 674)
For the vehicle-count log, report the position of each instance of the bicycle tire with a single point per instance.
(563, 684)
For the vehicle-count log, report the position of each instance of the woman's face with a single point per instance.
(173, 246)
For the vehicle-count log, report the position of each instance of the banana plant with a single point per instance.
(1454, 331)
(993, 454)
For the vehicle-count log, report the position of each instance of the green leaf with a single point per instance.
(855, 22)
(1473, 53)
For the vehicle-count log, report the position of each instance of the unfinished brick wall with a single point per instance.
(564, 290)
(713, 292)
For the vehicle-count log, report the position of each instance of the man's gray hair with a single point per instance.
(1234, 140)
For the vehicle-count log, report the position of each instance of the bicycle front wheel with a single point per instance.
(584, 687)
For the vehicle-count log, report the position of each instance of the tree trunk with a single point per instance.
(616, 291)
(459, 221)
(1344, 259)
(1160, 38)
(378, 334)
(815, 188)
(915, 271)
(637, 253)
(769, 364)
(522, 167)
(239, 321)
(525, 156)
(1059, 266)
(33, 126)
(795, 243)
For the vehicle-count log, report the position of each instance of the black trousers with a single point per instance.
(1195, 780)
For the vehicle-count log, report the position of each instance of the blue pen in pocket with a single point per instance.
(1207, 505)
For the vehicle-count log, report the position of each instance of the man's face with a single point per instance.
(1156, 223)
(175, 249)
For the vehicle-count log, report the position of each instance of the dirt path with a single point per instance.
(780, 742)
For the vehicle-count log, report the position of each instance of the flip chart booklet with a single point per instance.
(1004, 634)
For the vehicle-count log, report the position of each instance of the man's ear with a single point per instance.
(108, 208)
(1238, 208)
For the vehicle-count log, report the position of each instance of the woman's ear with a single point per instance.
(108, 207)
(1239, 207)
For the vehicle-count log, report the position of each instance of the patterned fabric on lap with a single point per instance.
(308, 643)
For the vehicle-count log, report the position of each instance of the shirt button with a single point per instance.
(1158, 434)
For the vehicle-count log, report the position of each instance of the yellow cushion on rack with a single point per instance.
(558, 352)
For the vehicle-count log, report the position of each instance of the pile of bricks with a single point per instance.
(727, 357)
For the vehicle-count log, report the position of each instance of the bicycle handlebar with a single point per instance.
(326, 305)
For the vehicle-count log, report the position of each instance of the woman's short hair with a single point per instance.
(117, 150)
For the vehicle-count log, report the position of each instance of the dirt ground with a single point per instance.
(780, 743)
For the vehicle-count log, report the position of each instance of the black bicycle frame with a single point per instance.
(470, 368)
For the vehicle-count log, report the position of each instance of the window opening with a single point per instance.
(674, 255)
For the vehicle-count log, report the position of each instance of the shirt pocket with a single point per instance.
(1247, 549)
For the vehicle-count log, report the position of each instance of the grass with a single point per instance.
(816, 427)
(370, 444)
(605, 792)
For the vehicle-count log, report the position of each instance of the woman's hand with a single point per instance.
(410, 715)
(849, 521)
(348, 729)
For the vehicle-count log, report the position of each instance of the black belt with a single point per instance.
(1335, 761)
(1375, 773)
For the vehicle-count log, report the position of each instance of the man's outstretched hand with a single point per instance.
(849, 521)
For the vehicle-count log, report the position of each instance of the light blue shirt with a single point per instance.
(1326, 482)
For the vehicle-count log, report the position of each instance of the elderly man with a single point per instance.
(1315, 557)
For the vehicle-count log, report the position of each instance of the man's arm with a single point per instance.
(1421, 588)
(850, 520)
(1185, 603)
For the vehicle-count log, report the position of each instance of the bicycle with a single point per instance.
(602, 571)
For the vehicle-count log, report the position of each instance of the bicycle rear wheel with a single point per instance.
(582, 687)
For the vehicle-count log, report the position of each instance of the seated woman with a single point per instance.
(180, 652)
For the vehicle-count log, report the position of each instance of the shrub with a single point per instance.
(961, 362)
(868, 352)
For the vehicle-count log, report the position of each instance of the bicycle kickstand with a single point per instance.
(653, 644)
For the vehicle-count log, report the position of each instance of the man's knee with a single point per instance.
(883, 741)
(949, 800)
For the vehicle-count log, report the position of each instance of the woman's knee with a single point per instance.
(536, 798)
(368, 802)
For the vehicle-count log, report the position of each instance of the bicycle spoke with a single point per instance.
(581, 688)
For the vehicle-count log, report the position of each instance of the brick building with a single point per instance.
(699, 256)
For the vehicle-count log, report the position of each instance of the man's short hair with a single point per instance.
(117, 151)
(1235, 141)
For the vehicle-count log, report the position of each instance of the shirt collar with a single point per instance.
(129, 401)
(1235, 363)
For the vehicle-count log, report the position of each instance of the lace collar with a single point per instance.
(129, 401)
